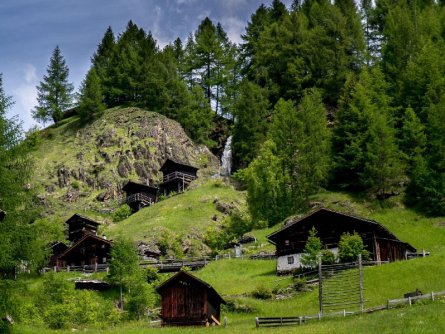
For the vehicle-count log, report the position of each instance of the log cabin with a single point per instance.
(89, 250)
(189, 301)
(330, 225)
(176, 176)
(86, 248)
(139, 195)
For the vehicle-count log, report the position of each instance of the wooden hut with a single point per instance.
(89, 250)
(79, 226)
(176, 176)
(57, 249)
(139, 195)
(330, 225)
(2, 215)
(189, 301)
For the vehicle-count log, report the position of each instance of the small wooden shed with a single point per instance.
(176, 176)
(139, 195)
(189, 301)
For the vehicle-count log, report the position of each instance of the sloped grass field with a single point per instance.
(193, 209)
(237, 279)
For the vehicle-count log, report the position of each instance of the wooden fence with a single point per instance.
(299, 320)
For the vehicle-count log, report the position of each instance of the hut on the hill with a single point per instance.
(89, 250)
(176, 176)
(189, 301)
(330, 225)
(86, 247)
(139, 195)
(2, 215)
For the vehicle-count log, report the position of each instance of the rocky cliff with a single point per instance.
(84, 168)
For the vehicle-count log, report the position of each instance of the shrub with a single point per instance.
(151, 275)
(122, 213)
(299, 284)
(350, 247)
(327, 257)
(262, 292)
(312, 249)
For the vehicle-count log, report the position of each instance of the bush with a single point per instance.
(262, 292)
(327, 257)
(299, 284)
(350, 247)
(122, 213)
(151, 275)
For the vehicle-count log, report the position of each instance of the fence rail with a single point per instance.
(178, 175)
(299, 320)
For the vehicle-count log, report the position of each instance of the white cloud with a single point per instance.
(30, 74)
(25, 95)
(234, 27)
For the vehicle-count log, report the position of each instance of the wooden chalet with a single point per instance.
(2, 215)
(79, 226)
(330, 225)
(57, 249)
(176, 176)
(139, 195)
(189, 301)
(89, 250)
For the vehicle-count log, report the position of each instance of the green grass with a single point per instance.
(420, 318)
(182, 213)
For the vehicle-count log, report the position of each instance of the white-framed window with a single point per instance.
(286, 242)
(290, 260)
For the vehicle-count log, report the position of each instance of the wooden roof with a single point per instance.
(185, 275)
(76, 217)
(80, 241)
(136, 186)
(170, 163)
(325, 217)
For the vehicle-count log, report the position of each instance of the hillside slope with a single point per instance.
(82, 169)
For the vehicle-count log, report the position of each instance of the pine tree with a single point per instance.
(55, 93)
(103, 61)
(250, 128)
(90, 100)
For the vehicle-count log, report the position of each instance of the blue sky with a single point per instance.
(30, 30)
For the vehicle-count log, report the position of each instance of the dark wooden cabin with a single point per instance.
(57, 249)
(89, 250)
(189, 301)
(2, 215)
(330, 225)
(79, 226)
(139, 195)
(176, 176)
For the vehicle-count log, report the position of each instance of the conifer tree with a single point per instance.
(250, 128)
(102, 61)
(90, 101)
(55, 93)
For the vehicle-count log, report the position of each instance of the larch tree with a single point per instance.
(55, 92)
(91, 97)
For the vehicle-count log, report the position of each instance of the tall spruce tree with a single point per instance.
(91, 97)
(55, 92)
(251, 123)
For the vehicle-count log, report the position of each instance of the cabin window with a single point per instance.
(286, 242)
(290, 260)
(104, 260)
(103, 246)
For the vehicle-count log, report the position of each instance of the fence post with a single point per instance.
(360, 281)
(344, 313)
(67, 269)
(300, 320)
(320, 285)
(257, 322)
(409, 301)
(432, 295)
(225, 322)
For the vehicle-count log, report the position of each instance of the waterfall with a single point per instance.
(226, 159)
